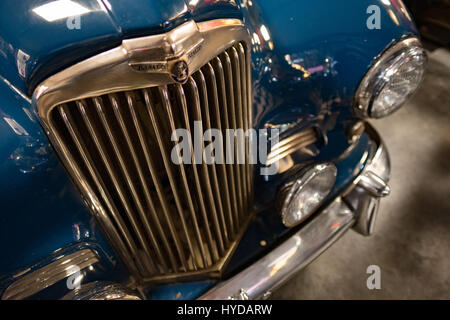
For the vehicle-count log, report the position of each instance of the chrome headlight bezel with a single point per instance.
(302, 195)
(381, 73)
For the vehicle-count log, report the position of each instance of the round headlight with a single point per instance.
(305, 192)
(392, 80)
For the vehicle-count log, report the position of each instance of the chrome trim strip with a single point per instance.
(290, 145)
(50, 274)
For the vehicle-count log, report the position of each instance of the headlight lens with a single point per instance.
(302, 195)
(392, 80)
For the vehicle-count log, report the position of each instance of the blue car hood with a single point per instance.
(41, 37)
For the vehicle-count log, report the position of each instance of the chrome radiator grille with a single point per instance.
(166, 220)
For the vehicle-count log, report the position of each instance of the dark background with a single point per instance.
(433, 19)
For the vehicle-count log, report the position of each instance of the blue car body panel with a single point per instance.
(308, 58)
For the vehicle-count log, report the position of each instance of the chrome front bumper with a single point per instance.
(356, 207)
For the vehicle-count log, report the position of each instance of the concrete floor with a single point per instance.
(412, 240)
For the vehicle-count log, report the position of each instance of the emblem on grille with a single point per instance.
(180, 71)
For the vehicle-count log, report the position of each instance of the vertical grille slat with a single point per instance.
(236, 69)
(230, 87)
(166, 219)
(143, 184)
(185, 115)
(167, 165)
(75, 135)
(205, 174)
(168, 108)
(82, 149)
(122, 164)
(216, 123)
(207, 126)
(218, 67)
(134, 265)
(246, 107)
(81, 105)
(155, 178)
(250, 117)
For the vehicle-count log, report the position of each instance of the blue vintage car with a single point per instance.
(93, 204)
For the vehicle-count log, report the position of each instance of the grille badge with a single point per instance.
(172, 54)
(180, 71)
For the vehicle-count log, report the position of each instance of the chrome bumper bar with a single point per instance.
(292, 255)
(356, 207)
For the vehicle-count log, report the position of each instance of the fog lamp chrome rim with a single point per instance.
(384, 89)
(303, 194)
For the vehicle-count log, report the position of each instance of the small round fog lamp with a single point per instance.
(305, 192)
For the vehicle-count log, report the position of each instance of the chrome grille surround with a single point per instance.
(46, 276)
(109, 118)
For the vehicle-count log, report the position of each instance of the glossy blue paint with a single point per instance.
(135, 18)
(41, 211)
(203, 10)
(314, 60)
(32, 48)
(28, 42)
(307, 60)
